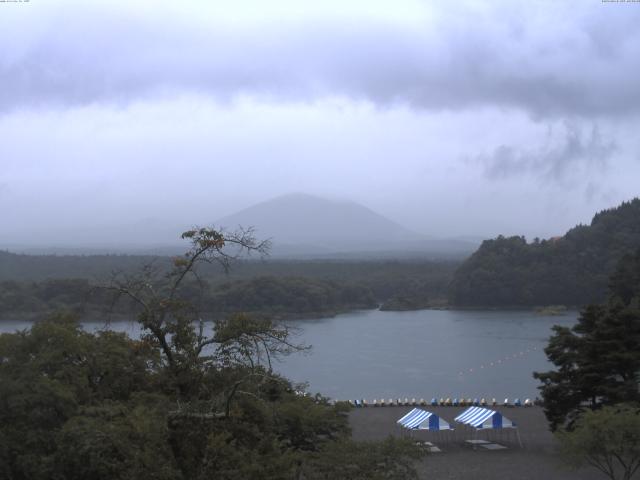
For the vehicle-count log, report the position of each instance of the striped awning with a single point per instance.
(479, 417)
(418, 419)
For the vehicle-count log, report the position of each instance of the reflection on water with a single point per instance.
(427, 353)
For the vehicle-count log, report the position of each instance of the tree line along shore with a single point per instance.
(506, 272)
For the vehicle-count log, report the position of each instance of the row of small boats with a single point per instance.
(442, 402)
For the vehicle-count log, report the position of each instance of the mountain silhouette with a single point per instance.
(302, 224)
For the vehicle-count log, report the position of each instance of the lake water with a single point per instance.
(426, 353)
(422, 354)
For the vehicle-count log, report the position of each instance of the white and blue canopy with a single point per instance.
(418, 419)
(478, 417)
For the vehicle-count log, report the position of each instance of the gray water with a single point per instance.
(421, 354)
(426, 353)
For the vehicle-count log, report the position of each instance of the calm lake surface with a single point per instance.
(427, 353)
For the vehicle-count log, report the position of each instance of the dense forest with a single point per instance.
(279, 296)
(31, 286)
(184, 401)
(507, 271)
(597, 360)
(571, 270)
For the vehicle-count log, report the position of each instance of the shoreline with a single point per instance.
(289, 316)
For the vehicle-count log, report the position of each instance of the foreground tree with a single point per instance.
(171, 323)
(67, 395)
(180, 402)
(597, 360)
(391, 459)
(607, 439)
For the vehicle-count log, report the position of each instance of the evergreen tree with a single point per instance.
(597, 360)
(569, 270)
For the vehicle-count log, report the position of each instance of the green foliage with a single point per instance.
(114, 440)
(597, 360)
(226, 458)
(101, 406)
(608, 439)
(282, 296)
(269, 295)
(34, 286)
(571, 270)
(392, 459)
(253, 342)
(49, 374)
(180, 403)
(412, 301)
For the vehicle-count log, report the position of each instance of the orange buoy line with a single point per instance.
(442, 402)
(498, 362)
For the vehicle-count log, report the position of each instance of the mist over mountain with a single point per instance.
(299, 225)
(305, 225)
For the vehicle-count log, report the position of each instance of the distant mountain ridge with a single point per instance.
(307, 220)
(301, 224)
(571, 270)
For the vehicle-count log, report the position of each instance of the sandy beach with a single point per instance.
(537, 459)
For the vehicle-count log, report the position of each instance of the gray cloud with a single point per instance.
(579, 61)
(112, 112)
(574, 154)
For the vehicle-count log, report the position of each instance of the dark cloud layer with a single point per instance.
(575, 153)
(112, 112)
(580, 60)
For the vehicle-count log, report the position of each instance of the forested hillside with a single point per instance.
(31, 286)
(266, 295)
(570, 270)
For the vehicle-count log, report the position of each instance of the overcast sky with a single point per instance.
(450, 117)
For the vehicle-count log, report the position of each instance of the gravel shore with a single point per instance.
(536, 460)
